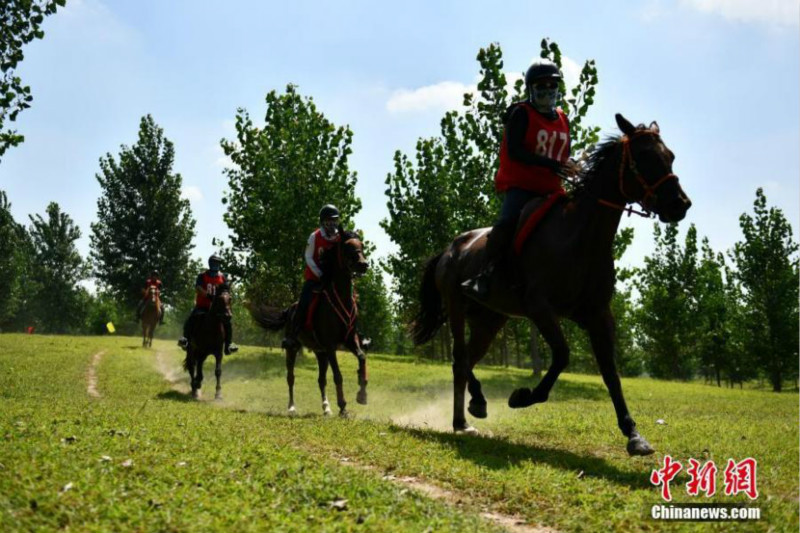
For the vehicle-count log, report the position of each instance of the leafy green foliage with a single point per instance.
(142, 221)
(58, 300)
(14, 261)
(374, 310)
(667, 306)
(20, 23)
(283, 174)
(767, 271)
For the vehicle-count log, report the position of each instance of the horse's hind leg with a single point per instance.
(460, 368)
(361, 396)
(322, 380)
(483, 326)
(291, 358)
(337, 379)
(218, 374)
(550, 329)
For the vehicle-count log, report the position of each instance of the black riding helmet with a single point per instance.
(214, 259)
(328, 212)
(544, 99)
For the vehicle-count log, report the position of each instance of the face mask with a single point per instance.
(545, 97)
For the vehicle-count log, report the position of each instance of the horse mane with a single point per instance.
(601, 153)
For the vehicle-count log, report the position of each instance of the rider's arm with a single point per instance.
(198, 286)
(310, 257)
(516, 128)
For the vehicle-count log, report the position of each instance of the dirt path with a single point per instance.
(512, 523)
(91, 375)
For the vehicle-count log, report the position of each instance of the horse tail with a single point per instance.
(431, 313)
(270, 318)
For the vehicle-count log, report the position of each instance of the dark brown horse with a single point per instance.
(333, 322)
(565, 269)
(207, 337)
(150, 315)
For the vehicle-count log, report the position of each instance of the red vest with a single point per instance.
(321, 244)
(210, 285)
(548, 138)
(150, 282)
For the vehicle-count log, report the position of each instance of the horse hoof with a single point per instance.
(361, 397)
(638, 445)
(218, 396)
(196, 394)
(292, 411)
(466, 430)
(477, 409)
(522, 397)
(344, 413)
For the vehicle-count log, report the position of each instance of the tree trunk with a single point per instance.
(536, 357)
(505, 346)
(516, 345)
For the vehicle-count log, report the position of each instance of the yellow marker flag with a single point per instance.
(110, 327)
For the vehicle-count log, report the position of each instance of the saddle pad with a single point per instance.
(312, 307)
(534, 218)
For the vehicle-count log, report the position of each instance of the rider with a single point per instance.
(205, 288)
(533, 154)
(323, 238)
(154, 279)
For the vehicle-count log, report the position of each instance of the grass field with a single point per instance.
(139, 456)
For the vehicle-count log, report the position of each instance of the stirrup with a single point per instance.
(477, 287)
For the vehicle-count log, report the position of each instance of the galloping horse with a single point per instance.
(150, 315)
(564, 269)
(333, 322)
(208, 337)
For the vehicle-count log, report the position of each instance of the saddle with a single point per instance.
(532, 215)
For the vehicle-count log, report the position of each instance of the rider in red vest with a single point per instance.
(534, 152)
(323, 238)
(205, 286)
(154, 279)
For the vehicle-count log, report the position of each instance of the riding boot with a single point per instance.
(229, 346)
(497, 244)
(183, 342)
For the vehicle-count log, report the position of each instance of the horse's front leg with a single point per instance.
(291, 358)
(322, 380)
(355, 347)
(218, 374)
(547, 322)
(601, 333)
(197, 382)
(339, 381)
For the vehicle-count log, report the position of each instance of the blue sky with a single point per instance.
(720, 77)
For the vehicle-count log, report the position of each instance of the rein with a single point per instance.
(346, 316)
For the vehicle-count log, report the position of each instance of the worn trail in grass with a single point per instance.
(561, 464)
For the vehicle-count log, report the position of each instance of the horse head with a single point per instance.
(645, 172)
(221, 303)
(351, 254)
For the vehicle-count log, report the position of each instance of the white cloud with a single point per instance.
(443, 96)
(449, 95)
(776, 12)
(192, 193)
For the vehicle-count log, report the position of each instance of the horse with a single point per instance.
(207, 337)
(334, 322)
(565, 269)
(151, 314)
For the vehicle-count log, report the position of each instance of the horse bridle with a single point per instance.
(627, 163)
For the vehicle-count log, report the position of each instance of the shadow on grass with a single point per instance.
(498, 453)
(175, 396)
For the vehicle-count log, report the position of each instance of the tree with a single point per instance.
(767, 271)
(58, 268)
(283, 174)
(666, 307)
(20, 23)
(142, 221)
(14, 262)
(374, 311)
(713, 317)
